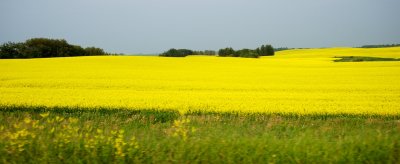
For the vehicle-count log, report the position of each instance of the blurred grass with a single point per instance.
(362, 59)
(195, 137)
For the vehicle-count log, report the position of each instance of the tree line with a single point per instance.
(44, 47)
(185, 52)
(380, 46)
(263, 50)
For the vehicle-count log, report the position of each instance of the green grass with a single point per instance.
(362, 59)
(167, 137)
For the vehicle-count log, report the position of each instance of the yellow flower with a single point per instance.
(59, 119)
(44, 115)
(73, 120)
(278, 84)
(27, 120)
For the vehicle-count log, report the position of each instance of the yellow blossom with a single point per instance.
(44, 115)
(303, 81)
(27, 120)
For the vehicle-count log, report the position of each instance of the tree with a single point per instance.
(185, 52)
(10, 50)
(90, 51)
(380, 46)
(281, 49)
(75, 50)
(205, 52)
(226, 52)
(177, 53)
(43, 47)
(265, 50)
(247, 53)
(270, 50)
(209, 52)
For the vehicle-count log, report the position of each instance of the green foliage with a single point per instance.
(380, 46)
(68, 135)
(265, 50)
(91, 51)
(282, 49)
(226, 52)
(43, 47)
(246, 53)
(11, 50)
(362, 59)
(205, 52)
(177, 53)
(185, 52)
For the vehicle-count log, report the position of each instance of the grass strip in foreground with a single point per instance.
(362, 59)
(57, 135)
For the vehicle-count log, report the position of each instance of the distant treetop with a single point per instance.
(380, 46)
(44, 47)
(264, 50)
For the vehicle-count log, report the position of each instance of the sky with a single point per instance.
(154, 26)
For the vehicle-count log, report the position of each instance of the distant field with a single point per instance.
(294, 81)
(296, 107)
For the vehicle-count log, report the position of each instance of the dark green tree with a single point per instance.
(265, 50)
(209, 52)
(177, 53)
(43, 47)
(270, 50)
(226, 52)
(10, 50)
(205, 52)
(90, 51)
(247, 53)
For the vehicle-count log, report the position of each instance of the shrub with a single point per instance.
(43, 47)
(177, 53)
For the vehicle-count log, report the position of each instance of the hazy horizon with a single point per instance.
(154, 26)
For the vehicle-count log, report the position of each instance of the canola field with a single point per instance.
(303, 81)
(298, 106)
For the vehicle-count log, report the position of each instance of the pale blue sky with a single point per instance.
(153, 26)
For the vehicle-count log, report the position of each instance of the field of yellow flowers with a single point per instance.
(304, 81)
(296, 107)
